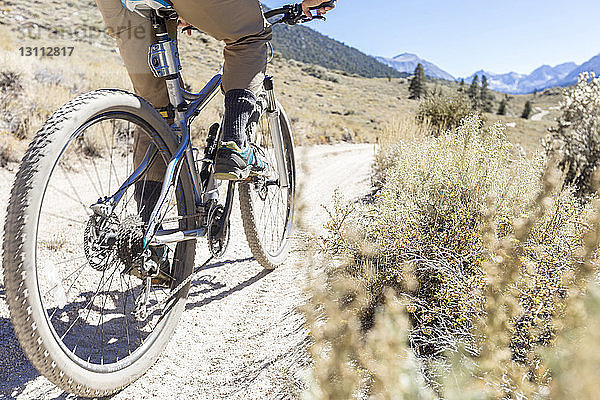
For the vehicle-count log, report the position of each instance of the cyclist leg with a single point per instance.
(243, 28)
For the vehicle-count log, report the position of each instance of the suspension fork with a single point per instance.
(276, 132)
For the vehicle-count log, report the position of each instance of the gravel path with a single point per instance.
(241, 336)
(540, 114)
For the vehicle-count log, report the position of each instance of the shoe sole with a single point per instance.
(235, 174)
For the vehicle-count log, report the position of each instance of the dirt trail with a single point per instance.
(241, 336)
(540, 114)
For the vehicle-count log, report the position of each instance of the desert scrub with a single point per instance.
(576, 138)
(444, 112)
(426, 236)
(320, 73)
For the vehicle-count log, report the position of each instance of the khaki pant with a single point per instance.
(239, 23)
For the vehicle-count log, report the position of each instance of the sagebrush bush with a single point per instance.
(575, 141)
(444, 112)
(426, 236)
(8, 151)
(320, 73)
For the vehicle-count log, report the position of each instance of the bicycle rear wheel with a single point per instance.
(268, 209)
(71, 291)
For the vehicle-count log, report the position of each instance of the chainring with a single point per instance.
(217, 241)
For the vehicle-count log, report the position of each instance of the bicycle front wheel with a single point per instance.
(267, 208)
(72, 286)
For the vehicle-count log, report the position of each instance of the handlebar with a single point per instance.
(293, 13)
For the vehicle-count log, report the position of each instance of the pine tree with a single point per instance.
(485, 95)
(461, 86)
(527, 110)
(503, 106)
(473, 92)
(417, 87)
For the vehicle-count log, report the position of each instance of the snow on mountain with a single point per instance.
(545, 77)
(505, 83)
(408, 63)
(593, 65)
(542, 78)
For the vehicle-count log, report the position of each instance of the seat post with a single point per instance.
(159, 23)
(163, 59)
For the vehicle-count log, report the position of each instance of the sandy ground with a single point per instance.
(241, 336)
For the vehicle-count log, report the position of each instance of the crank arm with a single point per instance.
(228, 207)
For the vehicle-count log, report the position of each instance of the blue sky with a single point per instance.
(464, 36)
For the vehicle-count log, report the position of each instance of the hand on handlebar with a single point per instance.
(187, 27)
(322, 7)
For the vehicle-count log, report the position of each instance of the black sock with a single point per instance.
(239, 105)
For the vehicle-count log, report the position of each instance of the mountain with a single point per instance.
(407, 63)
(542, 78)
(505, 83)
(593, 65)
(546, 76)
(307, 45)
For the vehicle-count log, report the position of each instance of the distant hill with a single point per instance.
(542, 78)
(407, 63)
(309, 46)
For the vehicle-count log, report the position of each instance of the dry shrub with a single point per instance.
(576, 138)
(575, 361)
(401, 128)
(320, 73)
(443, 112)
(8, 150)
(477, 241)
(348, 364)
(14, 116)
(10, 83)
(93, 143)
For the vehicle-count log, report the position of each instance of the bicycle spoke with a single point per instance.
(65, 218)
(78, 200)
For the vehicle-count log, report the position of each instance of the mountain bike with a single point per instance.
(96, 278)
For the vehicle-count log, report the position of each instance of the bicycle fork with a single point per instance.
(276, 133)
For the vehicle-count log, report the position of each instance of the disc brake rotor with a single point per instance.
(98, 242)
